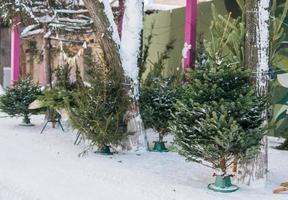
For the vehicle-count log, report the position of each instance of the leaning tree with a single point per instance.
(124, 58)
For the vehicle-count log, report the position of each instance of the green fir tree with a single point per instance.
(16, 100)
(157, 98)
(99, 108)
(218, 119)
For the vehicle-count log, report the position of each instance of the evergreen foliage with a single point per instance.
(278, 35)
(16, 100)
(99, 109)
(227, 41)
(218, 115)
(10, 9)
(158, 96)
(278, 30)
(60, 94)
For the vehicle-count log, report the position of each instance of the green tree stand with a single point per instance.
(105, 150)
(26, 121)
(223, 184)
(159, 146)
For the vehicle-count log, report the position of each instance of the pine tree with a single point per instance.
(98, 110)
(157, 98)
(16, 100)
(218, 115)
(60, 93)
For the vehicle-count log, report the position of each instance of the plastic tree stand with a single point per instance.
(26, 122)
(160, 147)
(104, 151)
(223, 184)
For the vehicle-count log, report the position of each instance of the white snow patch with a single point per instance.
(131, 40)
(47, 167)
(1, 90)
(263, 44)
(283, 79)
(113, 27)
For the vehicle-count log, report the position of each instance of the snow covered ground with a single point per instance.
(47, 167)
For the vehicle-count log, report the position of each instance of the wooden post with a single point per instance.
(120, 17)
(190, 33)
(15, 50)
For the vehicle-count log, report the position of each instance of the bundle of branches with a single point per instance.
(56, 97)
(99, 109)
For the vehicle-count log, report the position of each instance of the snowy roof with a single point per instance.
(166, 4)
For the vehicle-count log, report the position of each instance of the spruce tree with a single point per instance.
(218, 118)
(157, 98)
(99, 109)
(16, 100)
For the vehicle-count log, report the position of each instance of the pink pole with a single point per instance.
(190, 32)
(121, 15)
(15, 50)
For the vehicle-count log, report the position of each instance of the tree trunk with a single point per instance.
(104, 37)
(257, 58)
(110, 48)
(131, 46)
(47, 59)
(251, 52)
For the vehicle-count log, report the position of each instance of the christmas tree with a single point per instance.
(157, 99)
(98, 110)
(219, 116)
(16, 100)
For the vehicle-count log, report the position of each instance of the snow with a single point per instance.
(47, 167)
(131, 40)
(185, 51)
(151, 5)
(1, 90)
(129, 53)
(283, 79)
(161, 7)
(113, 27)
(263, 43)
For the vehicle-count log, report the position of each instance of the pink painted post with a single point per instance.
(190, 32)
(120, 17)
(15, 50)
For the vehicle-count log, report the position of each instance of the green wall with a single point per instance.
(169, 25)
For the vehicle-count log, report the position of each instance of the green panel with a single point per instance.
(170, 25)
(177, 34)
(161, 34)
